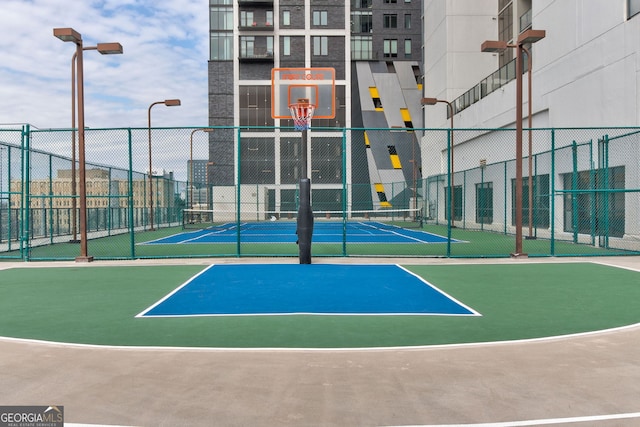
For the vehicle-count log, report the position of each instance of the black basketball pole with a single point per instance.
(305, 214)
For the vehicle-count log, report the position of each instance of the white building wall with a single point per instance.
(453, 61)
(586, 74)
(586, 71)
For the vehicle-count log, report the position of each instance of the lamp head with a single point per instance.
(498, 46)
(109, 48)
(531, 36)
(429, 101)
(67, 35)
(171, 102)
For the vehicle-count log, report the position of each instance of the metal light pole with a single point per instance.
(70, 35)
(526, 37)
(168, 103)
(530, 114)
(434, 101)
(104, 49)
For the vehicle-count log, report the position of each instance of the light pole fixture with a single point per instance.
(526, 37)
(434, 101)
(168, 103)
(71, 35)
(208, 130)
(105, 49)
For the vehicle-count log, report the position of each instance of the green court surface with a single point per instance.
(473, 243)
(98, 305)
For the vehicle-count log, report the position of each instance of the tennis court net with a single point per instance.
(197, 219)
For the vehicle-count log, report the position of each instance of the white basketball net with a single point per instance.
(302, 112)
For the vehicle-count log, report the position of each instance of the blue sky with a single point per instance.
(165, 56)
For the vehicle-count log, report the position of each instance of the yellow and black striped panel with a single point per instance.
(395, 159)
(382, 196)
(406, 118)
(375, 96)
(367, 142)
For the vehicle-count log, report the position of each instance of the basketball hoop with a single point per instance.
(302, 113)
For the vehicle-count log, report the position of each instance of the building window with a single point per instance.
(361, 4)
(390, 48)
(540, 210)
(286, 18)
(361, 47)
(286, 46)
(591, 212)
(634, 7)
(255, 106)
(221, 18)
(319, 17)
(390, 1)
(221, 46)
(257, 161)
(361, 21)
(407, 47)
(320, 46)
(246, 19)
(269, 18)
(484, 203)
(407, 21)
(326, 158)
(247, 45)
(390, 21)
(457, 205)
(505, 32)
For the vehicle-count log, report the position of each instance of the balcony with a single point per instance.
(256, 26)
(256, 56)
(256, 49)
(253, 19)
(255, 3)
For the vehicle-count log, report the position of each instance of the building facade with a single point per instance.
(585, 73)
(376, 43)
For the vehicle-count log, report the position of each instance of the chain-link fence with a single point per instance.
(204, 192)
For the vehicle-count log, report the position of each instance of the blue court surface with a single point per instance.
(285, 232)
(277, 289)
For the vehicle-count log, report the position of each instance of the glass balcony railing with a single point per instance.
(489, 84)
(525, 21)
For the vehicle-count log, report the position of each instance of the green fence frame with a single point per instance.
(35, 226)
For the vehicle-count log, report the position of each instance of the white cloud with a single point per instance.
(165, 56)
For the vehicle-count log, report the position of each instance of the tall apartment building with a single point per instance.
(375, 47)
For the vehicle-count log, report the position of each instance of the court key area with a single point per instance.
(277, 289)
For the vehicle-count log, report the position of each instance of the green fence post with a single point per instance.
(451, 194)
(553, 192)
(482, 201)
(9, 192)
(238, 194)
(344, 192)
(574, 194)
(130, 200)
(593, 195)
(606, 185)
(506, 182)
(463, 199)
(536, 196)
(25, 197)
(50, 200)
(109, 199)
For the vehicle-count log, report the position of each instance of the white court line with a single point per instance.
(548, 421)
